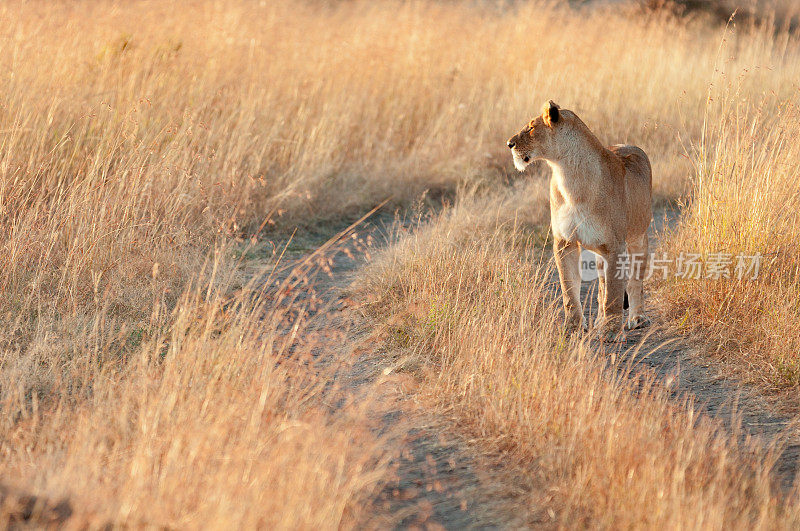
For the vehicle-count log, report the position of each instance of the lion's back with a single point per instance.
(636, 162)
(638, 185)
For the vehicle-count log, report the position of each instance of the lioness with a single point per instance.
(600, 199)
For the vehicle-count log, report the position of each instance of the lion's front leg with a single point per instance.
(610, 324)
(568, 256)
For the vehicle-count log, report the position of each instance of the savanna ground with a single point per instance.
(160, 367)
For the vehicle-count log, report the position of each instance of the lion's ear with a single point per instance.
(550, 113)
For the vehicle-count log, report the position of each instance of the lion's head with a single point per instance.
(537, 139)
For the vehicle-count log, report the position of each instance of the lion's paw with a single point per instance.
(575, 327)
(637, 321)
(609, 330)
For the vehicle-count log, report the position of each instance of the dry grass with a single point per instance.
(783, 13)
(225, 420)
(134, 136)
(138, 140)
(466, 306)
(745, 201)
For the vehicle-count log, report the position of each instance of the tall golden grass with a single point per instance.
(134, 136)
(468, 306)
(744, 201)
(228, 418)
(142, 143)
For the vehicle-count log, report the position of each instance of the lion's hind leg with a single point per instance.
(601, 288)
(637, 269)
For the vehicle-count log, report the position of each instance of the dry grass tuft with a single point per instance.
(228, 419)
(744, 201)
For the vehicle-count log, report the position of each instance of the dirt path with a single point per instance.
(435, 483)
(678, 366)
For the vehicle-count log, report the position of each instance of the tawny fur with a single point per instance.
(600, 200)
